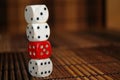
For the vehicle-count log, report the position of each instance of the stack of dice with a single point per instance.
(38, 32)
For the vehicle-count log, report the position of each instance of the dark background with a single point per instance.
(68, 15)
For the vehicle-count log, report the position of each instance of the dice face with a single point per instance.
(39, 50)
(36, 14)
(40, 68)
(38, 32)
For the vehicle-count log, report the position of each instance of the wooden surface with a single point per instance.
(78, 56)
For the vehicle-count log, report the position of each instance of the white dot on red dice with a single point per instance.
(41, 46)
(41, 53)
(46, 45)
(33, 47)
(44, 50)
(34, 53)
(30, 53)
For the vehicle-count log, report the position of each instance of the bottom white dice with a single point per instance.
(40, 68)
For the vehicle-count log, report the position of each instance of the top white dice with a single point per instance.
(36, 13)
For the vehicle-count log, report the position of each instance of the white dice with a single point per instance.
(38, 32)
(36, 13)
(40, 68)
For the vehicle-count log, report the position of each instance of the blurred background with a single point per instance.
(85, 39)
(68, 15)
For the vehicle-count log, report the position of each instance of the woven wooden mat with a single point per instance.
(83, 57)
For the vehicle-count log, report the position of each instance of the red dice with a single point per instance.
(39, 50)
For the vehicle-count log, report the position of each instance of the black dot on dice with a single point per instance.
(46, 36)
(32, 36)
(48, 71)
(46, 26)
(41, 63)
(45, 72)
(41, 13)
(38, 27)
(38, 36)
(25, 9)
(30, 62)
(30, 32)
(48, 62)
(28, 36)
(33, 67)
(45, 63)
(31, 19)
(35, 63)
(45, 8)
(37, 18)
(41, 73)
(35, 72)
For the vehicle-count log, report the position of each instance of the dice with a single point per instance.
(38, 32)
(36, 13)
(40, 68)
(39, 50)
